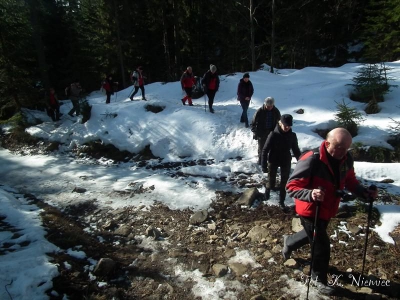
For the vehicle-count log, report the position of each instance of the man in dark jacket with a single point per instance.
(210, 83)
(74, 91)
(245, 91)
(276, 153)
(317, 178)
(264, 121)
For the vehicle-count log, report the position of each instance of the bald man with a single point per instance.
(318, 177)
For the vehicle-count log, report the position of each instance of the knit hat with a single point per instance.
(287, 120)
(213, 68)
(246, 75)
(269, 101)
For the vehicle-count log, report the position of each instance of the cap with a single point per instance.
(269, 101)
(213, 68)
(246, 75)
(287, 120)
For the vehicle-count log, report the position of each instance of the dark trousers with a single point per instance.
(211, 96)
(75, 106)
(322, 250)
(245, 106)
(285, 172)
(141, 87)
(54, 112)
(108, 96)
(261, 141)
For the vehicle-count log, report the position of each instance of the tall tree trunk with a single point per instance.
(176, 41)
(272, 37)
(119, 47)
(37, 39)
(252, 43)
(167, 55)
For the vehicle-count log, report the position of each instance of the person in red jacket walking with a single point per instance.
(210, 83)
(108, 86)
(53, 106)
(187, 83)
(319, 178)
(137, 79)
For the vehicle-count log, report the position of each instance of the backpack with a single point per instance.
(133, 77)
(197, 90)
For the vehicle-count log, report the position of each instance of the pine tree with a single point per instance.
(381, 30)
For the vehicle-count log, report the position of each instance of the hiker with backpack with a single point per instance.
(109, 85)
(244, 92)
(74, 91)
(315, 185)
(276, 153)
(137, 79)
(264, 121)
(53, 106)
(210, 83)
(187, 83)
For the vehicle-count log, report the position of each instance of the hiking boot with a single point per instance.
(285, 250)
(284, 208)
(246, 125)
(191, 104)
(71, 115)
(183, 102)
(323, 288)
(144, 99)
(211, 110)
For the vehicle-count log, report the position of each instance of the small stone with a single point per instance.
(238, 268)
(219, 270)
(291, 263)
(78, 190)
(198, 217)
(104, 267)
(153, 232)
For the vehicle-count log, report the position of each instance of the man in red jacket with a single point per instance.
(317, 178)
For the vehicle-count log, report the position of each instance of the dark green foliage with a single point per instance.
(395, 129)
(18, 73)
(348, 117)
(381, 29)
(55, 42)
(371, 82)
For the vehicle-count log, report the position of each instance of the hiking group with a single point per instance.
(316, 183)
(209, 84)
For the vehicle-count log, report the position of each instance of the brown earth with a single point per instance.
(145, 266)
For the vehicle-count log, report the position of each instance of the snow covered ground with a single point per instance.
(178, 133)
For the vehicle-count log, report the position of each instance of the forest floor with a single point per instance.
(158, 253)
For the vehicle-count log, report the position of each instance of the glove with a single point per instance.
(255, 136)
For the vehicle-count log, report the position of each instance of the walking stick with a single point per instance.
(313, 244)
(372, 187)
(205, 105)
(132, 90)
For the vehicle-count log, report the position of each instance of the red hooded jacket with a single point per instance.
(311, 173)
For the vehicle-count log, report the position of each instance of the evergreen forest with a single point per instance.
(50, 43)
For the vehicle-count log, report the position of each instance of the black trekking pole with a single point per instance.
(205, 104)
(132, 90)
(373, 188)
(314, 238)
